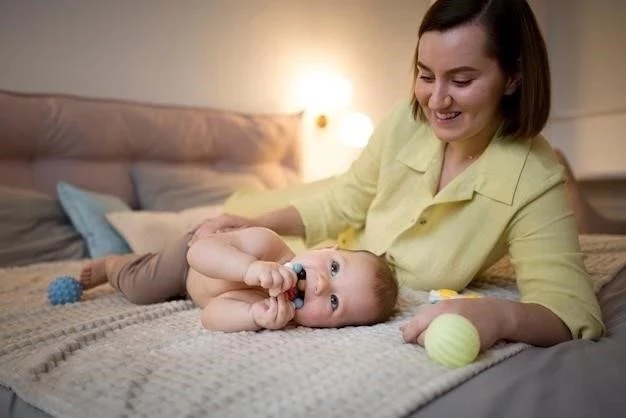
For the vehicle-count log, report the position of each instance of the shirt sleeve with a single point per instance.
(545, 252)
(344, 204)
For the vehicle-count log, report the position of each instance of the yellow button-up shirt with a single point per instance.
(512, 198)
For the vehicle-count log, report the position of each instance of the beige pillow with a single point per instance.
(174, 187)
(148, 231)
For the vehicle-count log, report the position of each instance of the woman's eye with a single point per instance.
(334, 268)
(462, 83)
(426, 78)
(334, 302)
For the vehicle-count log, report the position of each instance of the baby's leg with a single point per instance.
(95, 273)
(146, 278)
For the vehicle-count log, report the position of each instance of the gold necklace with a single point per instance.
(469, 157)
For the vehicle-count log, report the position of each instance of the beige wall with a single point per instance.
(239, 54)
(587, 46)
(248, 55)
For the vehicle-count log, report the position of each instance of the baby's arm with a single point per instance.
(246, 310)
(253, 255)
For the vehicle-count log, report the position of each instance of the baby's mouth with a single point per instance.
(296, 293)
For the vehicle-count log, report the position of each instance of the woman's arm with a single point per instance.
(543, 244)
(495, 320)
(285, 221)
(557, 301)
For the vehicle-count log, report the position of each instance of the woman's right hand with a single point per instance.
(221, 223)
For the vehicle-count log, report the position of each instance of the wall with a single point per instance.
(245, 55)
(248, 54)
(586, 46)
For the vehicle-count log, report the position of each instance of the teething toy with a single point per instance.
(296, 294)
(64, 289)
(452, 340)
(442, 294)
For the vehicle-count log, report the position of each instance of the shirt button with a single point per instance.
(422, 221)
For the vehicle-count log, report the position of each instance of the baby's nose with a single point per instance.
(321, 285)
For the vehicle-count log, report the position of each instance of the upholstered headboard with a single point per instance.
(94, 143)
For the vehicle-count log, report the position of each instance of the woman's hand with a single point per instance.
(488, 315)
(220, 223)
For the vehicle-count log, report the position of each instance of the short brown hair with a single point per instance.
(515, 41)
(386, 289)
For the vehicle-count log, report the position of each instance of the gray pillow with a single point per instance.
(170, 187)
(34, 228)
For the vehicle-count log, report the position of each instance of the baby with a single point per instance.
(244, 280)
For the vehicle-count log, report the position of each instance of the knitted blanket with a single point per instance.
(104, 357)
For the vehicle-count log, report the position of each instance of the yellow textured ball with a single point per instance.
(452, 340)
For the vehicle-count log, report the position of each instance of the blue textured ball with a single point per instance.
(64, 289)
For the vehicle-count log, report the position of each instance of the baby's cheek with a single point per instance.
(310, 314)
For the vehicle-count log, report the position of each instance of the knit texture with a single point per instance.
(104, 357)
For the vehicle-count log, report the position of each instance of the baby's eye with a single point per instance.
(334, 268)
(334, 302)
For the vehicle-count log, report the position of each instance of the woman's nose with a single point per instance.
(439, 98)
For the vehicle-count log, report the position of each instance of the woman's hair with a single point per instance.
(386, 288)
(515, 41)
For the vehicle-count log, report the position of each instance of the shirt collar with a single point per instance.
(421, 149)
(497, 170)
(500, 168)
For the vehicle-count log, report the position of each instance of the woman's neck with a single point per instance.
(459, 153)
(468, 150)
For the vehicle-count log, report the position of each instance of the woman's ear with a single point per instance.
(512, 84)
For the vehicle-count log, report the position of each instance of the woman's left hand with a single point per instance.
(488, 315)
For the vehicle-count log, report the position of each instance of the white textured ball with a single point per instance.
(452, 340)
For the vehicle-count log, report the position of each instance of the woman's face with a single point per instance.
(459, 87)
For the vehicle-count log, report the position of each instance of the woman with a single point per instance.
(460, 176)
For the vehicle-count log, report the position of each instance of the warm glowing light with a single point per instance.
(355, 129)
(324, 92)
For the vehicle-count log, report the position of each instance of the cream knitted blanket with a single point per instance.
(104, 357)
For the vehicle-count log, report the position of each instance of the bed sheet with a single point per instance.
(577, 378)
(574, 379)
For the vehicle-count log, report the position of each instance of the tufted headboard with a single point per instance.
(93, 143)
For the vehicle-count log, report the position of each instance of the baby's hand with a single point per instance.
(273, 312)
(270, 275)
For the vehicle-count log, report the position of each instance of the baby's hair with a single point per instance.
(386, 288)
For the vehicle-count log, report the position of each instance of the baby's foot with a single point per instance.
(93, 274)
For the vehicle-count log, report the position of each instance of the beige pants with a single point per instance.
(153, 277)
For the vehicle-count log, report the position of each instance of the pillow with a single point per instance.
(87, 212)
(169, 187)
(33, 228)
(148, 232)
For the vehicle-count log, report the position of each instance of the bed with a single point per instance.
(152, 171)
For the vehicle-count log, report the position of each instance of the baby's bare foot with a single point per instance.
(93, 274)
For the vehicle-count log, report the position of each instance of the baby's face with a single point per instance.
(339, 288)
